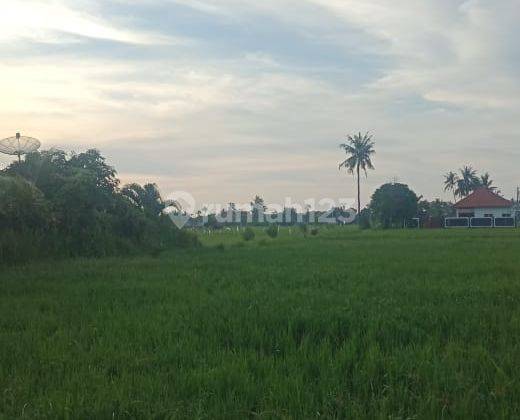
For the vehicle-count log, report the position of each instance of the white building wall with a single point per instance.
(496, 212)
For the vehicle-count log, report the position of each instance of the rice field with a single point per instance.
(345, 324)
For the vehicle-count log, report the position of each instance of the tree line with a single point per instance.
(467, 181)
(56, 204)
(393, 204)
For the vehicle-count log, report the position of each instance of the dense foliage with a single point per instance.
(248, 234)
(466, 182)
(52, 204)
(393, 204)
(433, 213)
(365, 219)
(272, 231)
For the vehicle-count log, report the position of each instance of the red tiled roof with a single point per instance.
(482, 198)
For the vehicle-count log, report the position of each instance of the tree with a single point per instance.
(232, 211)
(135, 193)
(393, 204)
(450, 183)
(259, 203)
(46, 170)
(22, 205)
(486, 181)
(359, 149)
(365, 218)
(258, 209)
(152, 200)
(290, 216)
(148, 198)
(467, 182)
(94, 162)
(436, 208)
(71, 205)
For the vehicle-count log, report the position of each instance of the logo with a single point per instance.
(180, 206)
(179, 220)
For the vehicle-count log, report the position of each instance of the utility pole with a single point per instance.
(517, 207)
(18, 150)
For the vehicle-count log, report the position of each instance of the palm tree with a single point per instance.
(450, 183)
(467, 182)
(359, 150)
(486, 181)
(148, 199)
(135, 193)
(152, 200)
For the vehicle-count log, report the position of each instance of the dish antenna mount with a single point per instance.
(19, 145)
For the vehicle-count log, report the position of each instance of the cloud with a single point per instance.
(57, 22)
(450, 52)
(260, 102)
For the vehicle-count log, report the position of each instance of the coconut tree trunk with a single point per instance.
(358, 194)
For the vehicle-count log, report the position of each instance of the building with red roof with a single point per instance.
(484, 203)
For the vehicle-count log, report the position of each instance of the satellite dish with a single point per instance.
(19, 145)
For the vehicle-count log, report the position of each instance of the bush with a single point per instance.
(249, 234)
(364, 219)
(272, 231)
(314, 231)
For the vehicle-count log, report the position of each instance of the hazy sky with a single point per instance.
(231, 98)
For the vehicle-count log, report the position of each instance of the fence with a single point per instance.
(480, 222)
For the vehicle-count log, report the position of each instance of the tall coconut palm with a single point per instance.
(486, 181)
(450, 183)
(467, 182)
(359, 149)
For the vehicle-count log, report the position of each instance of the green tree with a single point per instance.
(134, 193)
(467, 182)
(450, 183)
(359, 149)
(272, 231)
(486, 181)
(93, 162)
(148, 198)
(258, 209)
(22, 205)
(152, 201)
(71, 205)
(365, 218)
(46, 170)
(436, 209)
(393, 204)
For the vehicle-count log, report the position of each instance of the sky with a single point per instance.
(226, 99)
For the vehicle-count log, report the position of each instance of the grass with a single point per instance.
(347, 324)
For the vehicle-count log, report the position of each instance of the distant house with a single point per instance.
(484, 203)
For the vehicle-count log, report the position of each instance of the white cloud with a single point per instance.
(55, 22)
(227, 126)
(445, 51)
